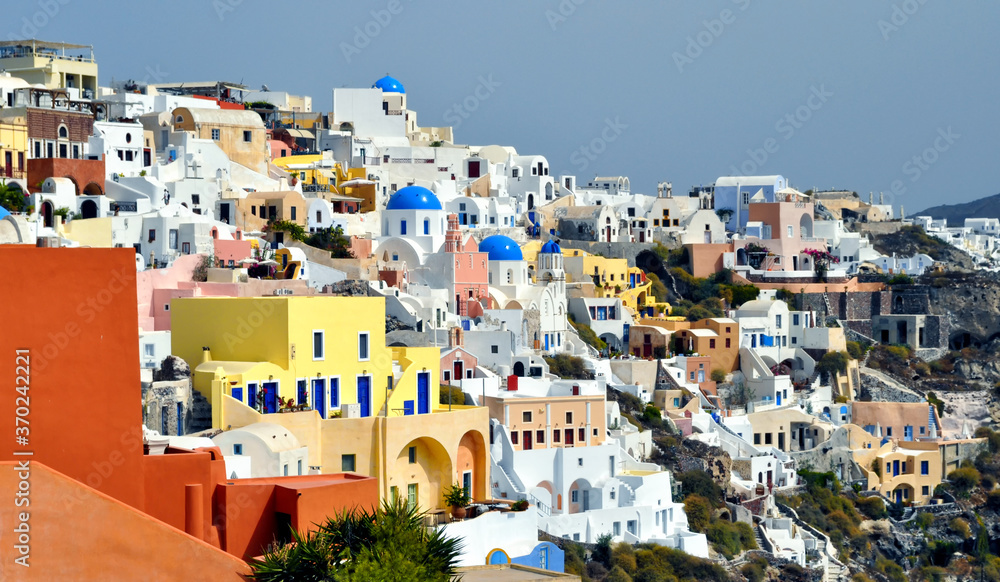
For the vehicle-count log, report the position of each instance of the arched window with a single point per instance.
(63, 132)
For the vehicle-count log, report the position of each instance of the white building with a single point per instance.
(274, 451)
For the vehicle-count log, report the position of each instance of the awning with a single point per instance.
(303, 133)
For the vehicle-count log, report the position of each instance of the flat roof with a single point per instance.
(46, 44)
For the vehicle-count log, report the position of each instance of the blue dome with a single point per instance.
(551, 247)
(501, 248)
(389, 85)
(414, 198)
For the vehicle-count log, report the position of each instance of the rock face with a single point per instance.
(348, 288)
(695, 455)
(971, 306)
(172, 369)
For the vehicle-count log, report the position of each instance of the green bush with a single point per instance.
(855, 350)
(964, 479)
(699, 511)
(718, 375)
(587, 335)
(924, 520)
(451, 394)
(567, 367)
(871, 507)
(961, 527)
(700, 483)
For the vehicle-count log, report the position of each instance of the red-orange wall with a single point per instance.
(75, 310)
(100, 539)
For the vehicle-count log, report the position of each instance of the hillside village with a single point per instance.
(319, 305)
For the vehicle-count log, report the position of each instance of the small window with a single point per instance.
(149, 349)
(216, 135)
(582, 437)
(767, 438)
(319, 345)
(411, 495)
(237, 449)
(248, 136)
(617, 528)
(293, 209)
(495, 349)
(925, 490)
(556, 436)
(299, 464)
(152, 235)
(347, 463)
(574, 496)
(569, 418)
(925, 468)
(513, 437)
(363, 354)
(756, 435)
(412, 452)
(526, 416)
(540, 437)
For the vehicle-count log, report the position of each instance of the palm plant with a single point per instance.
(388, 544)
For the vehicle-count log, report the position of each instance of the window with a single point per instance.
(172, 239)
(427, 226)
(574, 496)
(791, 230)
(925, 468)
(569, 418)
(402, 227)
(711, 344)
(777, 320)
(756, 437)
(526, 416)
(925, 490)
(284, 470)
(746, 198)
(318, 344)
(513, 438)
(795, 319)
(767, 438)
(237, 449)
(293, 212)
(186, 248)
(630, 525)
(556, 435)
(540, 437)
(363, 354)
(347, 463)
(149, 348)
(616, 528)
(412, 454)
(494, 349)
(582, 437)
(248, 136)
(612, 494)
(216, 135)
(728, 342)
(300, 466)
(411, 495)
(152, 235)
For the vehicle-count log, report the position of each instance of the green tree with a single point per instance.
(388, 544)
(602, 550)
(333, 240)
(12, 198)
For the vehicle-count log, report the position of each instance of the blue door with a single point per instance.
(180, 419)
(779, 398)
(301, 392)
(252, 395)
(335, 392)
(899, 495)
(237, 393)
(546, 342)
(365, 395)
(895, 469)
(319, 396)
(423, 393)
(270, 397)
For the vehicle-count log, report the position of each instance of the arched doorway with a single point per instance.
(519, 369)
(421, 473)
(471, 464)
(93, 189)
(47, 213)
(88, 209)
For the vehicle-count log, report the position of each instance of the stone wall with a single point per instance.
(882, 392)
(618, 250)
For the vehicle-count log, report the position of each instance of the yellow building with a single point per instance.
(320, 174)
(903, 471)
(50, 64)
(328, 352)
(13, 148)
(372, 409)
(240, 134)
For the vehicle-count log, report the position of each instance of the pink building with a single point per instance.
(156, 288)
(457, 364)
(785, 229)
(467, 270)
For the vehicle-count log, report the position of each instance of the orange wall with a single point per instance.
(75, 310)
(706, 260)
(166, 477)
(101, 538)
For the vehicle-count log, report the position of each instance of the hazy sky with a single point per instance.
(859, 94)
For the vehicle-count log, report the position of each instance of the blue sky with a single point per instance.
(863, 95)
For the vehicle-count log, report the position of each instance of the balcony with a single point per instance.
(11, 173)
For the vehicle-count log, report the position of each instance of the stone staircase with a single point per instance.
(201, 413)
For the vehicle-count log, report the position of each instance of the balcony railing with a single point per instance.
(10, 173)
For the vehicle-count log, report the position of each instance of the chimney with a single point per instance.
(206, 355)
